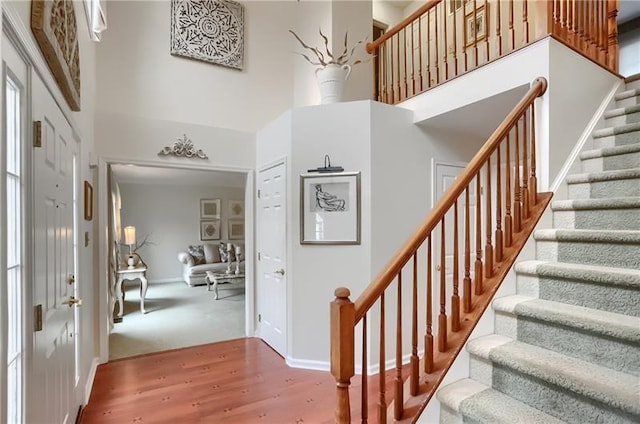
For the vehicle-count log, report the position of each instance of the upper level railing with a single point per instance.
(470, 240)
(444, 39)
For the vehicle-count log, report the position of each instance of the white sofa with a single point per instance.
(194, 273)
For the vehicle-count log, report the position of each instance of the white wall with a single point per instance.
(170, 216)
(387, 12)
(629, 52)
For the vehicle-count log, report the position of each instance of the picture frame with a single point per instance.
(330, 208)
(476, 25)
(209, 208)
(88, 201)
(210, 230)
(236, 229)
(236, 209)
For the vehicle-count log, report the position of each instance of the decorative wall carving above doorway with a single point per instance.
(212, 31)
(183, 147)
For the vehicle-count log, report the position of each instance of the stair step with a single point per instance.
(632, 81)
(616, 248)
(567, 388)
(618, 135)
(598, 214)
(469, 399)
(596, 185)
(604, 338)
(628, 97)
(611, 158)
(623, 115)
(596, 287)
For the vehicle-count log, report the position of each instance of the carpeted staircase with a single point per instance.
(567, 346)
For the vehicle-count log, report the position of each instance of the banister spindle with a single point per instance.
(382, 400)
(498, 29)
(499, 237)
(428, 338)
(512, 34)
(365, 376)
(517, 212)
(455, 298)
(392, 87)
(525, 169)
(466, 283)
(475, 33)
(404, 50)
(486, 38)
(455, 45)
(488, 249)
(420, 52)
(445, 49)
(477, 270)
(398, 97)
(398, 400)
(429, 48)
(413, 63)
(533, 180)
(525, 20)
(415, 361)
(508, 222)
(442, 318)
(435, 29)
(342, 313)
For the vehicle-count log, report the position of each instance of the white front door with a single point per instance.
(272, 270)
(54, 398)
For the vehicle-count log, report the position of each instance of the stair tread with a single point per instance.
(617, 389)
(605, 323)
(616, 130)
(593, 273)
(589, 204)
(621, 111)
(601, 236)
(478, 401)
(603, 176)
(610, 151)
(628, 93)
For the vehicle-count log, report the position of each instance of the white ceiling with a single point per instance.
(628, 10)
(135, 174)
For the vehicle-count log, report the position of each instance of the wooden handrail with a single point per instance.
(371, 47)
(371, 294)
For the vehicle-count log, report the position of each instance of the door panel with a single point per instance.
(272, 277)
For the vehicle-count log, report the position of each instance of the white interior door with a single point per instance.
(53, 395)
(272, 276)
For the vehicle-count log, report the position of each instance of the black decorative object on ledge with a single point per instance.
(327, 166)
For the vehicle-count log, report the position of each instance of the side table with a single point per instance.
(126, 273)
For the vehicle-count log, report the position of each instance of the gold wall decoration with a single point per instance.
(53, 23)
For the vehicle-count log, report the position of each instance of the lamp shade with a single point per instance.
(130, 235)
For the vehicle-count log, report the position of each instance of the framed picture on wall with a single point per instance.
(209, 208)
(236, 229)
(330, 208)
(210, 230)
(475, 25)
(236, 209)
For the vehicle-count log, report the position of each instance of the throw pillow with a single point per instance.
(211, 254)
(197, 252)
(226, 255)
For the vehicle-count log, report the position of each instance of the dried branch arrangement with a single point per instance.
(328, 58)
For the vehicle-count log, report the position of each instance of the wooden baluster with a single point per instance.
(415, 361)
(398, 400)
(517, 212)
(488, 249)
(455, 45)
(478, 263)
(603, 31)
(551, 16)
(420, 53)
(592, 29)
(413, 64)
(445, 49)
(498, 29)
(342, 313)
(612, 35)
(382, 400)
(580, 7)
(428, 338)
(486, 38)
(428, 49)
(435, 29)
(442, 318)
(533, 180)
(385, 69)
(508, 223)
(466, 283)
(475, 33)
(381, 65)
(399, 86)
(455, 298)
(512, 35)
(525, 169)
(464, 40)
(564, 19)
(525, 20)
(499, 236)
(393, 83)
(404, 50)
(364, 406)
(571, 22)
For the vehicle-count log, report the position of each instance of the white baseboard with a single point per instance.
(307, 364)
(166, 280)
(92, 375)
(326, 366)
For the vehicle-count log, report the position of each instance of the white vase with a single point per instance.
(331, 81)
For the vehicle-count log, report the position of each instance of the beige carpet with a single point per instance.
(177, 316)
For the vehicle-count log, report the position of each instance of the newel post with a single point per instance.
(612, 35)
(342, 350)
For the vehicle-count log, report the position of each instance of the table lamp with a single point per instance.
(130, 239)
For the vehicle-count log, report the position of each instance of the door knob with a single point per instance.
(280, 271)
(71, 279)
(72, 301)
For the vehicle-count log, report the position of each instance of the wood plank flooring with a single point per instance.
(238, 381)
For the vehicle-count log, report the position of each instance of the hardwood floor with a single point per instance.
(238, 381)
